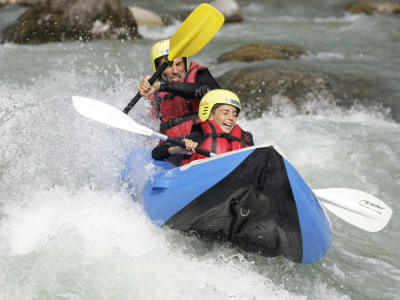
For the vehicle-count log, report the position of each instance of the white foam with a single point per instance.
(158, 33)
(90, 243)
(325, 56)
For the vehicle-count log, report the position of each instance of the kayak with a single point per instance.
(252, 198)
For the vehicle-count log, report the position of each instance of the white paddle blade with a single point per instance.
(108, 115)
(356, 207)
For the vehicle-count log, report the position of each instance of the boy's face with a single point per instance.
(225, 117)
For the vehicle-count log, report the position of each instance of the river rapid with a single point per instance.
(68, 230)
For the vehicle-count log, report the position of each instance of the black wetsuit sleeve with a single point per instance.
(204, 83)
(196, 135)
(250, 140)
(160, 152)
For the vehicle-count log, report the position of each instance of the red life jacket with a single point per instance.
(217, 141)
(177, 114)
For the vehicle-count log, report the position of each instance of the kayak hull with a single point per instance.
(253, 198)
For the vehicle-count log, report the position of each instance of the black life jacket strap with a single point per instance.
(188, 102)
(214, 135)
(157, 102)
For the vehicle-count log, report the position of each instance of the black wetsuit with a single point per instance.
(160, 152)
(204, 83)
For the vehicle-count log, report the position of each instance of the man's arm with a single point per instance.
(204, 83)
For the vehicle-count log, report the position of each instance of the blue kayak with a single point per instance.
(252, 198)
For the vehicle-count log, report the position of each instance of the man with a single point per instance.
(217, 133)
(175, 97)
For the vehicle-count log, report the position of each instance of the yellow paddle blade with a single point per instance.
(196, 31)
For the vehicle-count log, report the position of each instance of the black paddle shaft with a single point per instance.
(182, 144)
(151, 81)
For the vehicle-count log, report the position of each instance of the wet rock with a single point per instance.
(229, 8)
(146, 17)
(259, 88)
(254, 52)
(368, 7)
(6, 2)
(63, 20)
(15, 2)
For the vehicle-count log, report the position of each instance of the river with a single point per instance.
(69, 231)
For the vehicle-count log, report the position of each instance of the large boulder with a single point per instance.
(253, 52)
(368, 7)
(62, 20)
(259, 87)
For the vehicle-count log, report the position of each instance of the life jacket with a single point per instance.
(217, 141)
(177, 114)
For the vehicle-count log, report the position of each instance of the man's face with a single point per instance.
(175, 72)
(225, 117)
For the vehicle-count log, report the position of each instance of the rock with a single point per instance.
(63, 20)
(368, 7)
(230, 9)
(6, 2)
(22, 2)
(146, 17)
(257, 87)
(254, 52)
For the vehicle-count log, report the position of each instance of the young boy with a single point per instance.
(217, 133)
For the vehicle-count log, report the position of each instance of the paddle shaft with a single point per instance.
(152, 79)
(180, 143)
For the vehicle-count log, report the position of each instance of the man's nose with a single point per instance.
(174, 68)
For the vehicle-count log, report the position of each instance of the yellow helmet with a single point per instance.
(217, 97)
(160, 49)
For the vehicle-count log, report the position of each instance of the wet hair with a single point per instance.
(158, 61)
(218, 105)
(215, 107)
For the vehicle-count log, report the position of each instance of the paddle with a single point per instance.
(356, 207)
(194, 33)
(111, 116)
(353, 206)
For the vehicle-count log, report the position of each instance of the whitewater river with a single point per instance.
(69, 231)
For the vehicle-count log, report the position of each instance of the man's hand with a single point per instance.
(145, 88)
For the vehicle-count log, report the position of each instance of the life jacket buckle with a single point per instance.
(244, 212)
